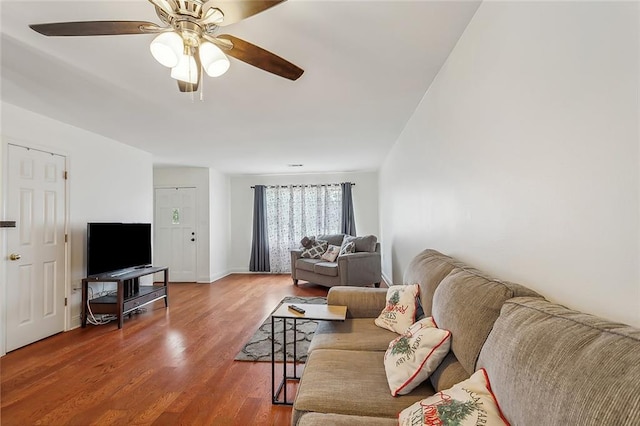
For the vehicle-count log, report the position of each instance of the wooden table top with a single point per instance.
(312, 312)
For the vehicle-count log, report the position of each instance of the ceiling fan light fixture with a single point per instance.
(213, 16)
(167, 48)
(186, 70)
(214, 61)
(165, 5)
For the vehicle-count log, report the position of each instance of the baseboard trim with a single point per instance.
(245, 271)
(387, 280)
(74, 323)
(215, 277)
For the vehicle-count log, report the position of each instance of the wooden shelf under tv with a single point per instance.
(130, 295)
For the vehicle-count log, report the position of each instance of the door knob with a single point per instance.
(15, 256)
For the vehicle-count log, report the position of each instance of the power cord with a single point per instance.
(91, 318)
(104, 318)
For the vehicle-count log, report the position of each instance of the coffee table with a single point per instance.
(312, 312)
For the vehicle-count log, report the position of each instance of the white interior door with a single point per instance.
(175, 232)
(36, 247)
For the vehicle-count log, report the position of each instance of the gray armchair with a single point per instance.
(354, 269)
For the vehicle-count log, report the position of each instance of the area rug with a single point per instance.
(258, 348)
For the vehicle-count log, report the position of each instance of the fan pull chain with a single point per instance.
(202, 85)
(191, 95)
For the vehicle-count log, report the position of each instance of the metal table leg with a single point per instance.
(282, 387)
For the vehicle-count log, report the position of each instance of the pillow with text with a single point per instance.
(468, 403)
(400, 310)
(331, 254)
(412, 357)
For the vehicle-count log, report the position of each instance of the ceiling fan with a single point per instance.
(188, 43)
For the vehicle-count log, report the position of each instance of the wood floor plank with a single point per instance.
(164, 367)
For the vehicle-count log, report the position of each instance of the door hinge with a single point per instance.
(65, 301)
(66, 238)
(65, 174)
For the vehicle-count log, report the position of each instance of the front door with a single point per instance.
(175, 232)
(36, 247)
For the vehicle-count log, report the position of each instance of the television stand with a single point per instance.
(129, 296)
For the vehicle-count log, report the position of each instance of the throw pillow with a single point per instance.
(400, 311)
(412, 357)
(365, 243)
(331, 254)
(316, 250)
(347, 248)
(307, 242)
(468, 403)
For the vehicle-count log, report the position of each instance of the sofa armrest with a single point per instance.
(360, 302)
(358, 269)
(295, 255)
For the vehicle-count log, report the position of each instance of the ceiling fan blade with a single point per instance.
(235, 11)
(260, 58)
(95, 28)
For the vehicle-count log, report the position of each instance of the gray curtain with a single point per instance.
(348, 219)
(260, 244)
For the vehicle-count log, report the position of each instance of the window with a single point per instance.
(296, 211)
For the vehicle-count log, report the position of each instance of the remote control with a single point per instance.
(297, 309)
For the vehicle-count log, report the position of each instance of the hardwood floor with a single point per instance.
(164, 367)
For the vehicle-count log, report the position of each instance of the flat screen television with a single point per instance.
(114, 246)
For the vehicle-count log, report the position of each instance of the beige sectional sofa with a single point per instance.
(548, 365)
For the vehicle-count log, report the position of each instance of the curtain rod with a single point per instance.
(300, 186)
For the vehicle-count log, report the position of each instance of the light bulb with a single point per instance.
(214, 61)
(167, 48)
(186, 70)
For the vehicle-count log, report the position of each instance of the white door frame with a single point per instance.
(4, 259)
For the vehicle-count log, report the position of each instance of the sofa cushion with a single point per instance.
(334, 239)
(428, 269)
(316, 250)
(400, 311)
(448, 373)
(350, 382)
(468, 403)
(365, 243)
(325, 419)
(326, 268)
(467, 303)
(360, 334)
(412, 357)
(550, 365)
(307, 264)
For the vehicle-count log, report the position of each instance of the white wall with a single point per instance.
(108, 181)
(523, 157)
(365, 200)
(219, 208)
(212, 221)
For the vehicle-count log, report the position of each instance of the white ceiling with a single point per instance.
(367, 66)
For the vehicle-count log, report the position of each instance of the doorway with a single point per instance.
(175, 232)
(35, 256)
